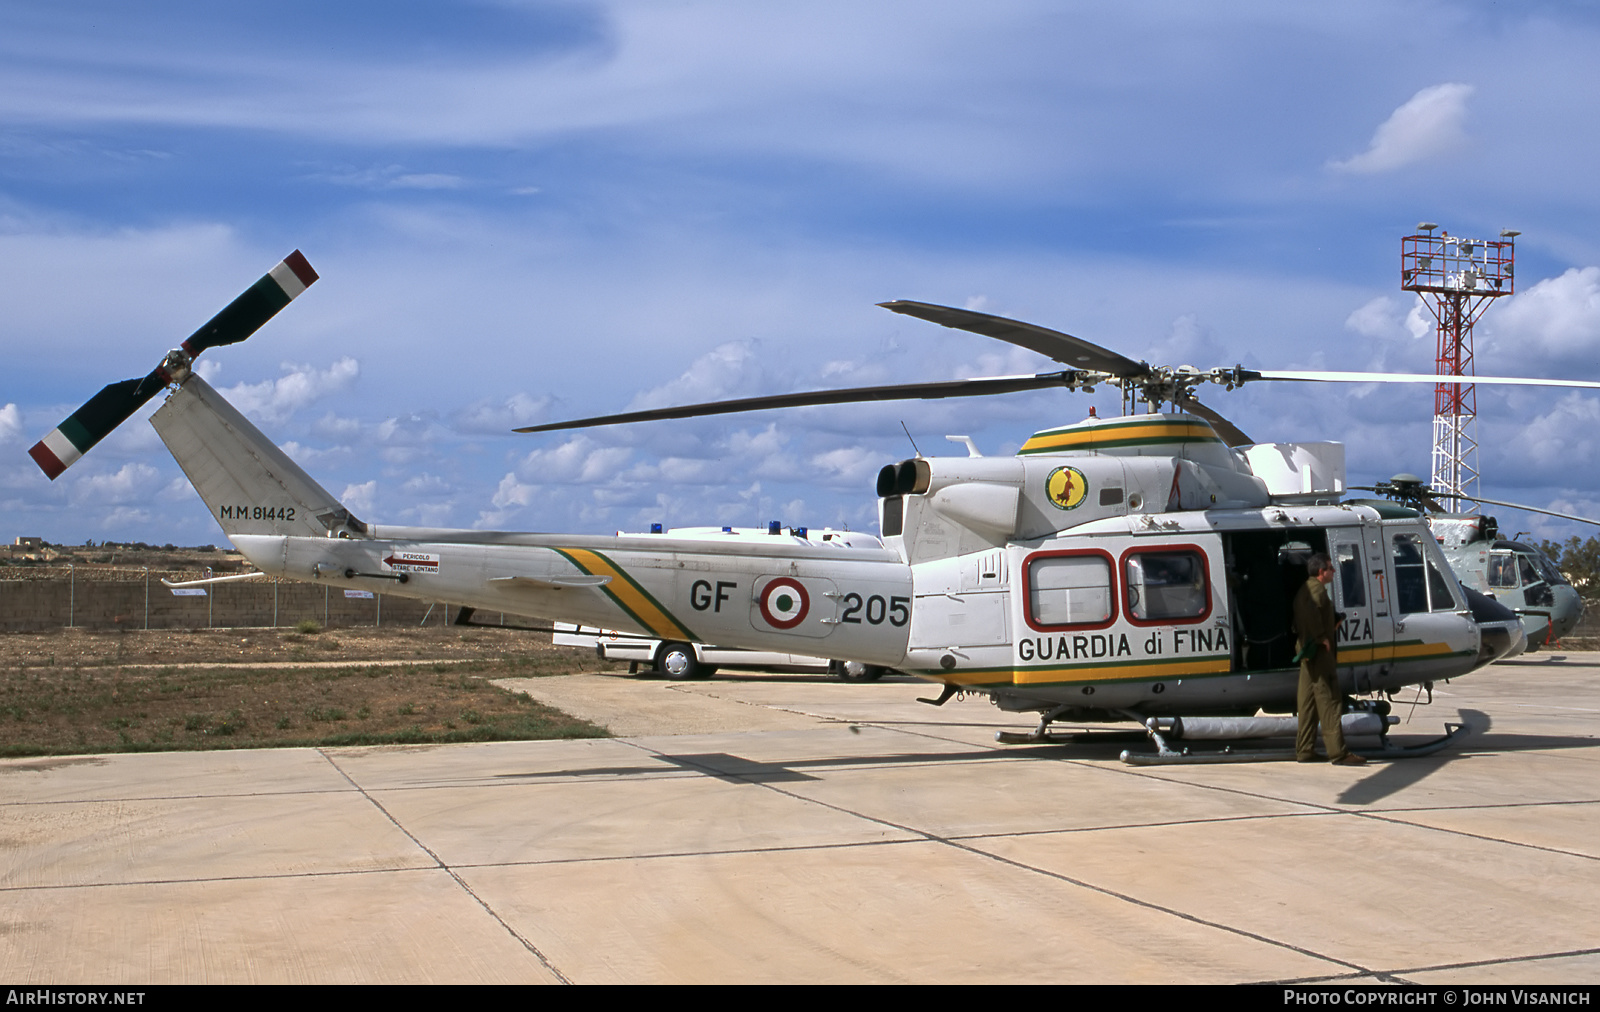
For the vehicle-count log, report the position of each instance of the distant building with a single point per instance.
(29, 542)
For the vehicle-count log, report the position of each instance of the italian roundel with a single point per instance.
(784, 603)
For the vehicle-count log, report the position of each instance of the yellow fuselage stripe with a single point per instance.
(1193, 667)
(628, 595)
(1115, 435)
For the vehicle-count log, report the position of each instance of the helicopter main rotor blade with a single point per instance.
(1064, 348)
(1530, 509)
(1231, 434)
(892, 392)
(1409, 377)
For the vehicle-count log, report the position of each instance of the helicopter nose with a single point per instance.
(1566, 612)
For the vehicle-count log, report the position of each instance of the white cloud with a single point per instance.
(1430, 124)
(1559, 317)
(424, 484)
(580, 460)
(850, 466)
(500, 418)
(360, 499)
(122, 517)
(1565, 436)
(391, 177)
(511, 492)
(1188, 342)
(1380, 317)
(427, 181)
(275, 400)
(178, 490)
(10, 423)
(1388, 319)
(133, 481)
(734, 369)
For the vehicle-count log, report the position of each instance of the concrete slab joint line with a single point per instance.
(874, 839)
(450, 871)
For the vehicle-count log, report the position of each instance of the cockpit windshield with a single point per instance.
(1552, 575)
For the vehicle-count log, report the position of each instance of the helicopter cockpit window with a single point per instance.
(1164, 586)
(1502, 570)
(1417, 577)
(1535, 591)
(1525, 567)
(1069, 590)
(1440, 596)
(1552, 575)
(1410, 581)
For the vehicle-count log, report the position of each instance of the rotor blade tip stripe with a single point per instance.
(51, 458)
(302, 268)
(289, 279)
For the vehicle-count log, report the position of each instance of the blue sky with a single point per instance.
(529, 211)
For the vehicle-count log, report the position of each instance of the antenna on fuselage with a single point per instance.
(908, 436)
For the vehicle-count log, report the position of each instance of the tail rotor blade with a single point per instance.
(114, 404)
(259, 303)
(93, 422)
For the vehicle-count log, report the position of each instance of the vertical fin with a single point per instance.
(250, 485)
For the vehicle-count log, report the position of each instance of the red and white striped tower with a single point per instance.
(1456, 279)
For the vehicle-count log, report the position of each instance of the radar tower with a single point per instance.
(1456, 279)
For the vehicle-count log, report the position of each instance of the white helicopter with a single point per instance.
(1136, 568)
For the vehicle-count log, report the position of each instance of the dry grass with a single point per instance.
(76, 697)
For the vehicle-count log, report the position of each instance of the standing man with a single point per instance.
(1318, 698)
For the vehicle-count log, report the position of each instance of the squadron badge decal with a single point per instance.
(784, 603)
(1066, 488)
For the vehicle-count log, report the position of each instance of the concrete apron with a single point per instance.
(786, 829)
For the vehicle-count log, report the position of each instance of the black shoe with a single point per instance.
(1350, 759)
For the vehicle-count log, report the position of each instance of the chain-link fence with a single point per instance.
(112, 598)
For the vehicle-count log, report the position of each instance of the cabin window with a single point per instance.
(1351, 581)
(1166, 585)
(1069, 589)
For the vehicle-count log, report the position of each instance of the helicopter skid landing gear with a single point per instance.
(1166, 755)
(1043, 735)
(1034, 737)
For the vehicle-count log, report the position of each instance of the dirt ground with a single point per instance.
(83, 648)
(71, 692)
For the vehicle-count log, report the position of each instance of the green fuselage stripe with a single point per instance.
(626, 593)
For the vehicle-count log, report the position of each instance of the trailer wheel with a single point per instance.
(855, 671)
(677, 662)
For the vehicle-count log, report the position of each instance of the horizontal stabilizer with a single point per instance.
(552, 582)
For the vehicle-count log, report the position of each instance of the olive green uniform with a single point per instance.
(1318, 698)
